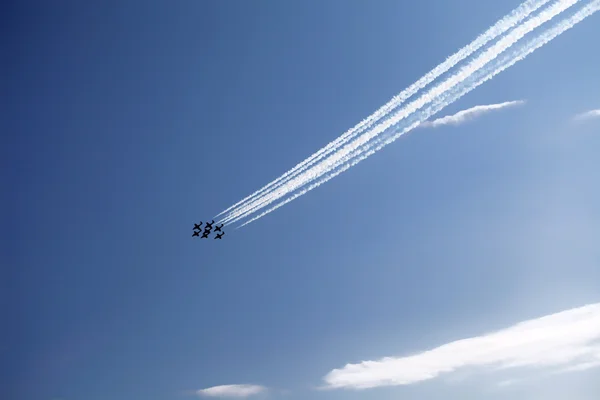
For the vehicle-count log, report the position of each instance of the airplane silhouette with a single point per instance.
(197, 226)
(196, 233)
(209, 225)
(217, 236)
(218, 228)
(205, 235)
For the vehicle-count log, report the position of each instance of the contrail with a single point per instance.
(507, 62)
(464, 115)
(468, 114)
(334, 160)
(503, 25)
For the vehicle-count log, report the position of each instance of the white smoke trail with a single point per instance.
(499, 28)
(334, 160)
(506, 62)
(339, 157)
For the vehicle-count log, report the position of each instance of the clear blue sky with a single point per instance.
(129, 121)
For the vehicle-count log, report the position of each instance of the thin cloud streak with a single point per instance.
(469, 114)
(353, 149)
(587, 115)
(228, 391)
(499, 28)
(565, 339)
(506, 62)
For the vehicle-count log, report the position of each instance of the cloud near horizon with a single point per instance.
(469, 114)
(587, 115)
(237, 391)
(569, 340)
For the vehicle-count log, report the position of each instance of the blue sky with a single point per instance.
(129, 121)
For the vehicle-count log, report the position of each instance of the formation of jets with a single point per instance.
(208, 226)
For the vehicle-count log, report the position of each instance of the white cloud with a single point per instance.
(587, 115)
(470, 114)
(232, 391)
(567, 339)
(507, 382)
(584, 366)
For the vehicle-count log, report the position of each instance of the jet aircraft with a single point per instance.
(217, 236)
(209, 225)
(218, 228)
(197, 226)
(204, 235)
(196, 233)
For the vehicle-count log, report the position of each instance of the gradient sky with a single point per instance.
(129, 121)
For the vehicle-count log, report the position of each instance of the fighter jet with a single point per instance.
(197, 226)
(218, 228)
(209, 225)
(196, 233)
(217, 236)
(204, 235)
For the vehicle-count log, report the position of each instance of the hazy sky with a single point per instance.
(126, 122)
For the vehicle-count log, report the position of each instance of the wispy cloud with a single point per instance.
(507, 382)
(569, 339)
(479, 70)
(587, 115)
(469, 114)
(237, 391)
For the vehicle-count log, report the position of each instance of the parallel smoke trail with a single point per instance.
(503, 25)
(505, 63)
(334, 160)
